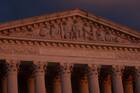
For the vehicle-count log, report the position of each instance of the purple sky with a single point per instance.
(126, 12)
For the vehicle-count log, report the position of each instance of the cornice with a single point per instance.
(40, 20)
(83, 13)
(68, 44)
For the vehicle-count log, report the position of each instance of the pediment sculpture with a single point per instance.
(72, 28)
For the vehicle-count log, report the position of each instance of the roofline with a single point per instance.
(77, 11)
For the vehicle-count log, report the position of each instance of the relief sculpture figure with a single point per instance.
(78, 27)
(74, 31)
(45, 31)
(107, 36)
(88, 34)
(110, 37)
(67, 28)
(100, 35)
(55, 30)
(94, 30)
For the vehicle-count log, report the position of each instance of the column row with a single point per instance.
(11, 85)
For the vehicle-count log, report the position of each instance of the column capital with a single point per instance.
(93, 69)
(12, 69)
(65, 73)
(93, 78)
(107, 79)
(84, 79)
(12, 65)
(39, 67)
(39, 74)
(56, 78)
(137, 79)
(66, 68)
(137, 71)
(118, 70)
(57, 84)
(130, 79)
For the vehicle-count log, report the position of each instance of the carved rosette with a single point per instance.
(93, 70)
(65, 68)
(39, 68)
(12, 66)
(117, 70)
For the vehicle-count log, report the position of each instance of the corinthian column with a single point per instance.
(117, 79)
(129, 85)
(57, 85)
(65, 75)
(107, 84)
(39, 73)
(93, 79)
(4, 84)
(137, 79)
(12, 72)
(84, 85)
(31, 84)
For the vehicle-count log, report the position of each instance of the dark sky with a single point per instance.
(126, 12)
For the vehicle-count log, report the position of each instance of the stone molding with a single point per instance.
(73, 12)
(93, 69)
(45, 43)
(117, 70)
(55, 31)
(73, 28)
(39, 68)
(137, 71)
(12, 66)
(66, 68)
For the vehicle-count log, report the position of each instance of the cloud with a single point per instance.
(121, 11)
(105, 2)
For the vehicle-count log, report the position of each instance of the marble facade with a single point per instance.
(69, 52)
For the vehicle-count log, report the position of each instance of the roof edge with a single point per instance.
(76, 11)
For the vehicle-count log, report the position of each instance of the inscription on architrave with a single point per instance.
(91, 54)
(20, 50)
(128, 55)
(29, 50)
(73, 28)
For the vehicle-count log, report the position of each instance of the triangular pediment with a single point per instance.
(72, 26)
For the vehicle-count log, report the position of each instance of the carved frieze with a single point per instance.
(73, 28)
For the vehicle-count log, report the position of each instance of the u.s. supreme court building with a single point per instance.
(69, 52)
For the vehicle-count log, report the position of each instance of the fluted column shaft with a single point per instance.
(137, 80)
(107, 84)
(84, 85)
(31, 85)
(129, 85)
(93, 79)
(4, 84)
(117, 79)
(57, 85)
(39, 77)
(65, 75)
(12, 76)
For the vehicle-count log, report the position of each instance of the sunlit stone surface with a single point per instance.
(69, 52)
